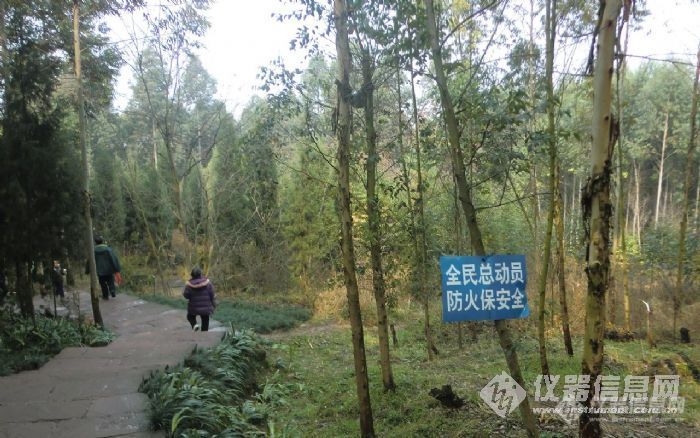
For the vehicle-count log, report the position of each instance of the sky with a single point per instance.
(244, 37)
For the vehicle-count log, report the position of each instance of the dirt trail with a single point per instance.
(93, 392)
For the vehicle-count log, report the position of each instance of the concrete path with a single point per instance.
(93, 392)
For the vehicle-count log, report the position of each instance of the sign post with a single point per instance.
(483, 288)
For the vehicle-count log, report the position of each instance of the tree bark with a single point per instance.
(550, 32)
(531, 80)
(89, 244)
(23, 287)
(340, 18)
(572, 212)
(420, 240)
(460, 251)
(373, 224)
(697, 202)
(620, 242)
(661, 173)
(637, 205)
(598, 212)
(465, 197)
(677, 296)
(405, 176)
(564, 308)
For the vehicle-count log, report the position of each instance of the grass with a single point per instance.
(262, 318)
(213, 393)
(327, 406)
(27, 344)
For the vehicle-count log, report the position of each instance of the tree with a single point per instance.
(598, 209)
(550, 26)
(465, 198)
(87, 213)
(344, 110)
(161, 70)
(620, 241)
(38, 172)
(374, 221)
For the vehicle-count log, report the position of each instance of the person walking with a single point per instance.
(107, 264)
(57, 274)
(199, 293)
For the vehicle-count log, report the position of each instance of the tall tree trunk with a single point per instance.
(550, 32)
(564, 308)
(572, 213)
(637, 205)
(206, 208)
(598, 211)
(460, 250)
(340, 18)
(686, 198)
(620, 242)
(404, 168)
(666, 192)
(661, 173)
(23, 287)
(697, 201)
(465, 198)
(373, 223)
(628, 205)
(564, 200)
(89, 244)
(155, 144)
(650, 326)
(420, 240)
(531, 89)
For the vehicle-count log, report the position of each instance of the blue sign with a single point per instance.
(483, 288)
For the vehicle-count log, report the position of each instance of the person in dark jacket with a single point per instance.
(57, 274)
(107, 264)
(199, 293)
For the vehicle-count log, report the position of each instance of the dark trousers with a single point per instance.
(58, 289)
(107, 285)
(205, 321)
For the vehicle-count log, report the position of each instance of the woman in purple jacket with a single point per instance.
(201, 299)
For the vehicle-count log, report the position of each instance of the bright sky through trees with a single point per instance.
(244, 37)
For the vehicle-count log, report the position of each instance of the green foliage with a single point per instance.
(261, 318)
(204, 396)
(27, 344)
(323, 401)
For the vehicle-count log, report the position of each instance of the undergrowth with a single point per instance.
(27, 344)
(261, 318)
(213, 393)
(321, 363)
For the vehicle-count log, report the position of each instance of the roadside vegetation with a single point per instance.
(27, 344)
(214, 392)
(323, 403)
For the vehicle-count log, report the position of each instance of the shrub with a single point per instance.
(204, 395)
(27, 344)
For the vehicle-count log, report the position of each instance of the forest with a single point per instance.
(414, 130)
